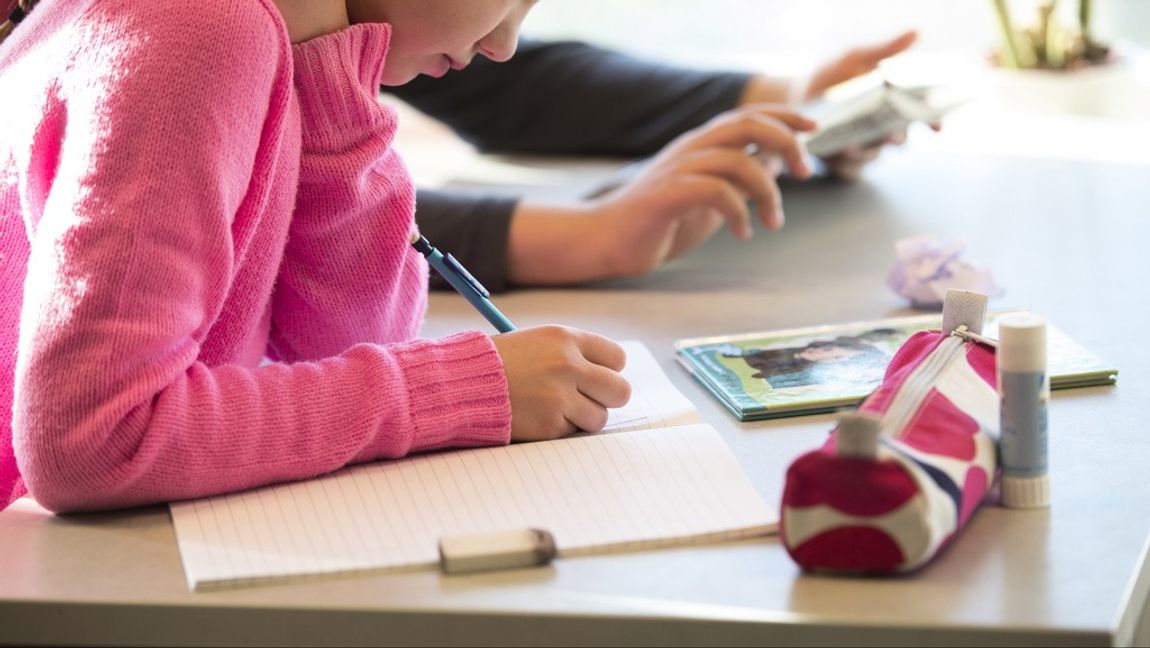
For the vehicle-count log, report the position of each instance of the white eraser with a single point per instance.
(460, 554)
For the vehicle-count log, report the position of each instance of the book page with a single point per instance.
(593, 493)
(655, 402)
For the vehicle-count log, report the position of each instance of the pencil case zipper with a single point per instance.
(913, 391)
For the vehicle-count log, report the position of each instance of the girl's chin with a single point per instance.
(396, 77)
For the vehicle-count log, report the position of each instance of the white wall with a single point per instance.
(784, 34)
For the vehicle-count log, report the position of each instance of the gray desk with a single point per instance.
(1066, 239)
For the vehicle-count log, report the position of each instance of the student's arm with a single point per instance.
(472, 227)
(550, 98)
(569, 98)
(139, 376)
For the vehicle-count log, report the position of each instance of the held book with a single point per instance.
(820, 369)
(661, 479)
(851, 116)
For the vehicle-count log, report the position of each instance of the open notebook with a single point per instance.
(651, 486)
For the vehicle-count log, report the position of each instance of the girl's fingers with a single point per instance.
(586, 414)
(603, 386)
(601, 351)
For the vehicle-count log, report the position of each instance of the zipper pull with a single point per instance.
(971, 336)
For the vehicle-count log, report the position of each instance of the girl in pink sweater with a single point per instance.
(205, 277)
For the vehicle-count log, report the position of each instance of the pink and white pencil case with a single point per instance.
(899, 478)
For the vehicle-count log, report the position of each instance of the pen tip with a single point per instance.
(415, 236)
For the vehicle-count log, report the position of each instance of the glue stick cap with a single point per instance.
(1022, 343)
(1026, 492)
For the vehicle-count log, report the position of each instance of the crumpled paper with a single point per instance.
(925, 268)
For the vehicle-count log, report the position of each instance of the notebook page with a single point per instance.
(655, 402)
(594, 493)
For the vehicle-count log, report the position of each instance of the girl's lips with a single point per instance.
(441, 69)
(446, 64)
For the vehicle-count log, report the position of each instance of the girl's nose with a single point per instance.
(499, 46)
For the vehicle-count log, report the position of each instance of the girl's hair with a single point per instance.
(18, 12)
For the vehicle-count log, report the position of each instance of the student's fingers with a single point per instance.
(728, 202)
(604, 386)
(601, 351)
(868, 57)
(794, 120)
(749, 175)
(766, 133)
(856, 62)
(585, 414)
(857, 155)
(849, 165)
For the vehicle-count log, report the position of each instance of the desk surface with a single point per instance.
(1064, 238)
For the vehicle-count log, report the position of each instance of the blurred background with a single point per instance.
(1094, 113)
(788, 34)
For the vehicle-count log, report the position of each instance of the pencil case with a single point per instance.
(899, 478)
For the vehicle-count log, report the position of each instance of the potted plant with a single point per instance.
(1048, 65)
(1048, 44)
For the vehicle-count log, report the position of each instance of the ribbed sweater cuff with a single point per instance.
(457, 394)
(337, 79)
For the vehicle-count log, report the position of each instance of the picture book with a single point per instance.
(824, 368)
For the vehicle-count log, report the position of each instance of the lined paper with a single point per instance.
(655, 402)
(594, 493)
(661, 482)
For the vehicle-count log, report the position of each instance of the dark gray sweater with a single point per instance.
(561, 98)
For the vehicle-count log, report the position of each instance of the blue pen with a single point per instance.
(462, 281)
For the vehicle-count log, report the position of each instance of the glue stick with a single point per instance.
(1023, 389)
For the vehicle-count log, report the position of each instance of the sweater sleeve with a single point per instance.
(349, 273)
(572, 98)
(143, 175)
(473, 228)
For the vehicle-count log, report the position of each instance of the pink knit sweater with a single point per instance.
(182, 194)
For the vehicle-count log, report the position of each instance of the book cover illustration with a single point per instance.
(821, 369)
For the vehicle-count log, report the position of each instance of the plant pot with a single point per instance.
(1106, 90)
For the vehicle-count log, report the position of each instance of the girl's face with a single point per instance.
(434, 36)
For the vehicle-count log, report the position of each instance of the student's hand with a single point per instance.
(848, 165)
(561, 380)
(854, 63)
(700, 181)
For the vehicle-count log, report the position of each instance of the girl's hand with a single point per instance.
(561, 380)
